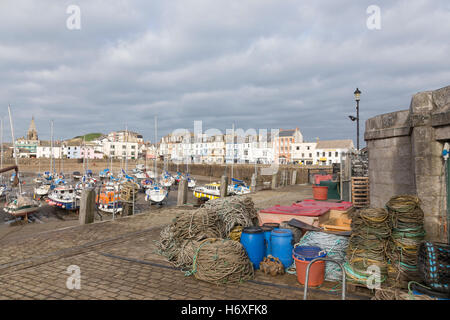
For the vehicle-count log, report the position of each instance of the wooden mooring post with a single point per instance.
(274, 181)
(87, 206)
(224, 187)
(182, 192)
(294, 177)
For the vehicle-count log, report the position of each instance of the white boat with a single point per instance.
(150, 174)
(22, 206)
(140, 175)
(167, 180)
(191, 183)
(42, 190)
(64, 197)
(77, 175)
(156, 194)
(238, 188)
(4, 190)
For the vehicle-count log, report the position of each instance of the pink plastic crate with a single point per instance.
(296, 210)
(311, 203)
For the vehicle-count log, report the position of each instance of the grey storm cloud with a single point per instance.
(256, 63)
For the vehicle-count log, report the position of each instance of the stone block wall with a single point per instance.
(405, 156)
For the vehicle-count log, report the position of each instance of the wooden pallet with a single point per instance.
(360, 192)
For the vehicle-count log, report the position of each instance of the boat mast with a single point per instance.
(51, 148)
(126, 147)
(61, 156)
(156, 139)
(232, 161)
(84, 155)
(14, 146)
(1, 147)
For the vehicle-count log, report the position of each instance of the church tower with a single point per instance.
(32, 132)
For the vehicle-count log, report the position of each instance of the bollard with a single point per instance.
(87, 206)
(274, 181)
(182, 192)
(294, 177)
(253, 183)
(224, 187)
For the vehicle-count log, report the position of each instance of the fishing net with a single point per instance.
(233, 211)
(407, 233)
(371, 229)
(220, 261)
(397, 294)
(334, 245)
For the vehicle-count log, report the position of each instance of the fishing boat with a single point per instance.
(104, 174)
(238, 188)
(146, 183)
(77, 175)
(167, 180)
(4, 190)
(208, 191)
(64, 197)
(47, 176)
(42, 190)
(139, 174)
(156, 194)
(178, 177)
(109, 199)
(22, 206)
(191, 181)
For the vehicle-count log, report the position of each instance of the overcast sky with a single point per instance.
(257, 63)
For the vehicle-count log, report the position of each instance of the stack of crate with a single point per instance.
(360, 192)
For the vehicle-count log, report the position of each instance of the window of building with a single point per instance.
(323, 154)
(329, 154)
(317, 153)
(298, 148)
(336, 154)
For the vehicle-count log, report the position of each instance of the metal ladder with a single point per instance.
(305, 293)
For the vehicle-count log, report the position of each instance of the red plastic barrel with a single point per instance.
(320, 193)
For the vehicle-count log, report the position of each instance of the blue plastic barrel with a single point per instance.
(267, 243)
(252, 238)
(282, 245)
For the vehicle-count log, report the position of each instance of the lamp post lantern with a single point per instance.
(357, 94)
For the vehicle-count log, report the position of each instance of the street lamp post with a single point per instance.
(357, 94)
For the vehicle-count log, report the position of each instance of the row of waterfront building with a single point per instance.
(287, 146)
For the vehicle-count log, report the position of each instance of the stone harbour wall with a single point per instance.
(405, 156)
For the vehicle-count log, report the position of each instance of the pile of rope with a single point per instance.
(334, 245)
(194, 240)
(221, 261)
(197, 225)
(371, 229)
(407, 234)
(233, 211)
(398, 294)
(193, 225)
